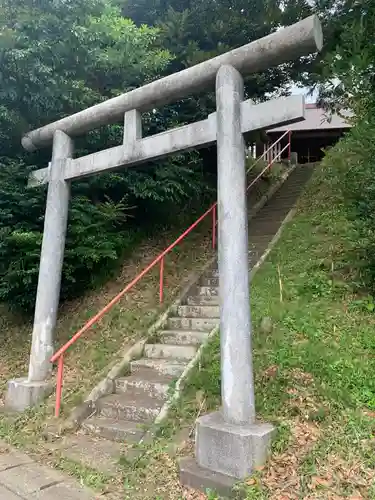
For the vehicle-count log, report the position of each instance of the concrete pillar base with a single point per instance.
(199, 478)
(225, 453)
(22, 394)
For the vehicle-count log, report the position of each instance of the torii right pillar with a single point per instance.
(230, 443)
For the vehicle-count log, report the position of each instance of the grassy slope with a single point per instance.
(314, 372)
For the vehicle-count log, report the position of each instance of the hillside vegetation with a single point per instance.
(60, 57)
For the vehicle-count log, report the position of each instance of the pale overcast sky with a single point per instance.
(299, 90)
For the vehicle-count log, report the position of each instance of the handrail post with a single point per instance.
(214, 227)
(59, 382)
(290, 145)
(161, 283)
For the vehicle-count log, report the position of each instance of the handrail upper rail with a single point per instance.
(114, 301)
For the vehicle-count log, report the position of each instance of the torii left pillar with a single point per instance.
(25, 392)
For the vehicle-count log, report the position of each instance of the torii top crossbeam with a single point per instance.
(284, 45)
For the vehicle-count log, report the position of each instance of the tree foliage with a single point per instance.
(349, 83)
(196, 30)
(346, 70)
(57, 58)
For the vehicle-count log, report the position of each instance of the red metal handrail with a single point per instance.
(289, 133)
(267, 167)
(59, 355)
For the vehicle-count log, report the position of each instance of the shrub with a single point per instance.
(101, 229)
(351, 167)
(94, 241)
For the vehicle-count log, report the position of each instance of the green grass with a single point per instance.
(314, 372)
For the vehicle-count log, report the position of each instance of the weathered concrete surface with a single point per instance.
(199, 478)
(181, 337)
(237, 385)
(162, 366)
(51, 261)
(91, 451)
(24, 393)
(196, 324)
(132, 128)
(114, 430)
(293, 158)
(234, 450)
(21, 478)
(136, 151)
(153, 383)
(176, 352)
(284, 45)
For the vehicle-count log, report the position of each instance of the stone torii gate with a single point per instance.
(234, 428)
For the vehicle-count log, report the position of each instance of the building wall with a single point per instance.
(311, 136)
(311, 148)
(308, 144)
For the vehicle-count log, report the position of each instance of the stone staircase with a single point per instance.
(140, 396)
(121, 418)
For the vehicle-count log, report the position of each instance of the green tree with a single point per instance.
(55, 59)
(59, 57)
(347, 81)
(195, 30)
(347, 76)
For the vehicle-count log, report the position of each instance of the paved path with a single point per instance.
(21, 478)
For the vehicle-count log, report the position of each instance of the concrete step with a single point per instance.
(196, 311)
(162, 366)
(129, 406)
(201, 324)
(93, 452)
(121, 431)
(167, 351)
(201, 300)
(181, 337)
(211, 282)
(145, 380)
(208, 291)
